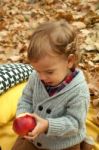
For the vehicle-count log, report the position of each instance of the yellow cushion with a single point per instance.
(8, 103)
(7, 136)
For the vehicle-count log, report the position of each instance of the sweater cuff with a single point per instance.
(55, 127)
(58, 127)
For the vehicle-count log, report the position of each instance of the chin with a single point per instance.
(53, 84)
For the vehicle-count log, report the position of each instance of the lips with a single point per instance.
(46, 83)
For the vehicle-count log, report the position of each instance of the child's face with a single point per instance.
(52, 69)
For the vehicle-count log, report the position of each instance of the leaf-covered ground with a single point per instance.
(18, 18)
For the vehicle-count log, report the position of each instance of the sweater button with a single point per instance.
(39, 144)
(48, 111)
(40, 107)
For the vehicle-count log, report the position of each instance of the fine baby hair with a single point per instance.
(57, 37)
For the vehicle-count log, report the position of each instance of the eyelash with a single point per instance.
(50, 72)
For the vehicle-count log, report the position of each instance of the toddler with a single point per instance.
(56, 94)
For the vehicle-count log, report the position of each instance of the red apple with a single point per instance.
(24, 124)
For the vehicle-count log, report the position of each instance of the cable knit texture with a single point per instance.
(66, 111)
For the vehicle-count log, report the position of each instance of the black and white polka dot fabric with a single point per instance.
(12, 74)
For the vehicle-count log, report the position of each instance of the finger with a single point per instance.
(35, 131)
(30, 134)
(23, 114)
(27, 137)
(31, 137)
(35, 116)
(34, 137)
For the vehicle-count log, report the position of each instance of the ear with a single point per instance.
(71, 60)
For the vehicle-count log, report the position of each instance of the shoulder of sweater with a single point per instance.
(78, 82)
(79, 77)
(33, 74)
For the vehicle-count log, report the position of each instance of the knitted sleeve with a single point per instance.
(25, 102)
(73, 119)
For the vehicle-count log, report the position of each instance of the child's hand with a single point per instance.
(41, 127)
(23, 114)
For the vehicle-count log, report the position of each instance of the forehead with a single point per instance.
(48, 62)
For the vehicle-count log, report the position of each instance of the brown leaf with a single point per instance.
(96, 102)
(96, 119)
(15, 58)
(79, 24)
(23, 49)
(49, 1)
(65, 15)
(3, 58)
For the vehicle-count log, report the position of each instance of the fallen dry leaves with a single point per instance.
(19, 18)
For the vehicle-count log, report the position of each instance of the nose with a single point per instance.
(42, 77)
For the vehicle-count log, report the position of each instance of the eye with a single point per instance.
(49, 72)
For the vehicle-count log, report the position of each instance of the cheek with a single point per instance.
(56, 77)
(61, 75)
(52, 77)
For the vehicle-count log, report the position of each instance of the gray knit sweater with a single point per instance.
(66, 111)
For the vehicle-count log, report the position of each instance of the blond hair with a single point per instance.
(58, 37)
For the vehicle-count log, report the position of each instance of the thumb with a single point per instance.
(34, 132)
